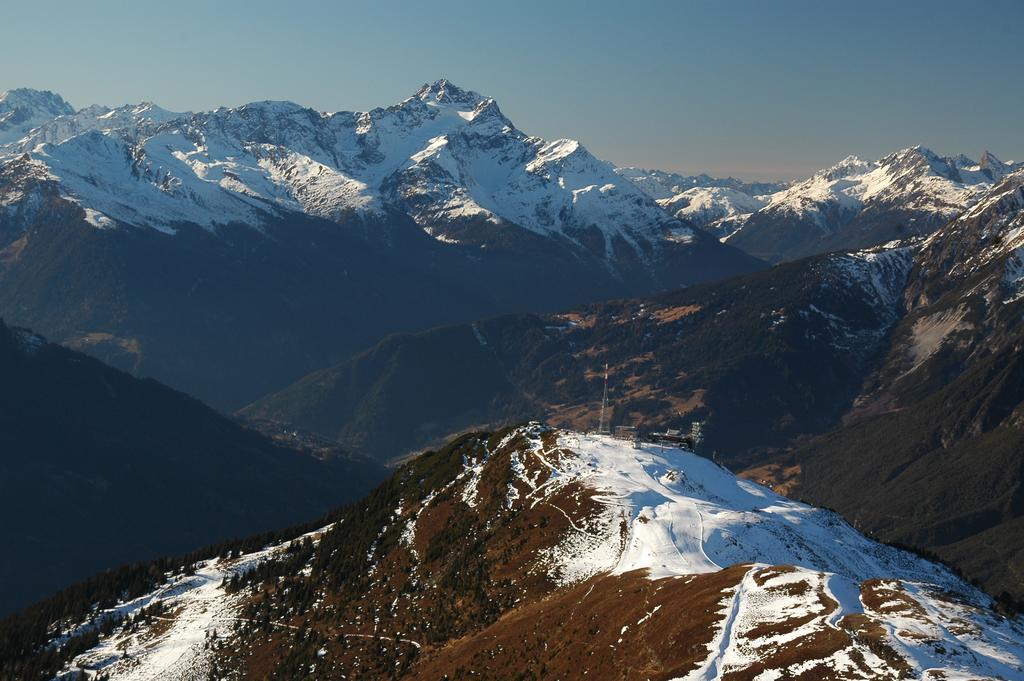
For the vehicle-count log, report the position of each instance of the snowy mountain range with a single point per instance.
(857, 204)
(661, 185)
(447, 157)
(452, 162)
(916, 178)
(853, 204)
(719, 210)
(536, 553)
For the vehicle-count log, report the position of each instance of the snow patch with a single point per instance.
(701, 517)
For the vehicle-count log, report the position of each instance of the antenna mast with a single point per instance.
(602, 426)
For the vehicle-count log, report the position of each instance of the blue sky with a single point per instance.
(754, 89)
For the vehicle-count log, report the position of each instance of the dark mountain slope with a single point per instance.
(407, 390)
(100, 468)
(763, 358)
(778, 238)
(945, 473)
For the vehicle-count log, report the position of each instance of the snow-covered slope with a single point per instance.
(672, 514)
(632, 543)
(684, 515)
(182, 623)
(132, 122)
(791, 621)
(445, 156)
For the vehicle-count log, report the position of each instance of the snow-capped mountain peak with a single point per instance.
(922, 159)
(23, 109)
(445, 92)
(995, 168)
(851, 165)
(41, 100)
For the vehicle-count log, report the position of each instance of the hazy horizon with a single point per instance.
(752, 90)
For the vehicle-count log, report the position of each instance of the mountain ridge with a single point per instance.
(633, 562)
(336, 165)
(849, 205)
